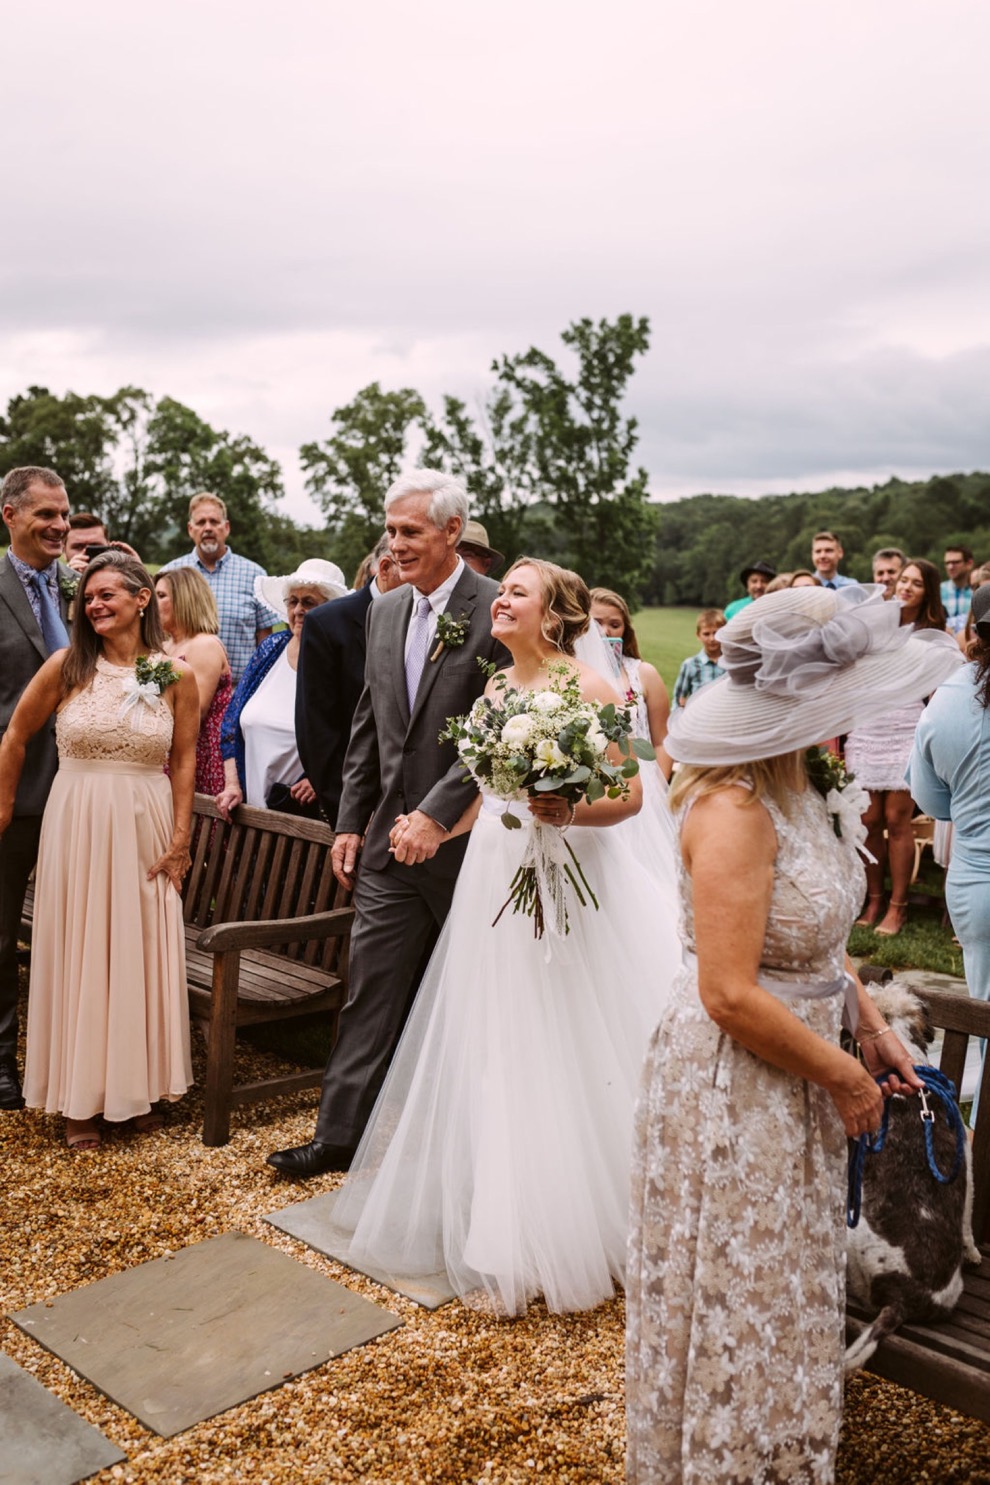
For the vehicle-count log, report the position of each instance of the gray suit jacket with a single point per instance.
(22, 654)
(395, 763)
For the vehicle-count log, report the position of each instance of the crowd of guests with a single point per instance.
(468, 1148)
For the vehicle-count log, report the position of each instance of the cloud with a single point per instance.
(258, 212)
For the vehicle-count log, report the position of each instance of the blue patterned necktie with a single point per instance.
(419, 633)
(53, 631)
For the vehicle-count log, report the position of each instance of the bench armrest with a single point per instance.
(333, 924)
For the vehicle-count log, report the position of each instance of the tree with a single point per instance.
(73, 435)
(579, 449)
(349, 473)
(184, 455)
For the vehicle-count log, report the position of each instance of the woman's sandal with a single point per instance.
(898, 908)
(867, 917)
(82, 1134)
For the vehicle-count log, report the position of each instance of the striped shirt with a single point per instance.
(241, 614)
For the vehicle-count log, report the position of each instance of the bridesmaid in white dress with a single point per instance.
(641, 681)
(498, 1151)
(108, 1018)
(736, 1278)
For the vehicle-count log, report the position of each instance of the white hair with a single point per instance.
(448, 496)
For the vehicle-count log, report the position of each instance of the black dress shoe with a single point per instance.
(312, 1159)
(11, 1096)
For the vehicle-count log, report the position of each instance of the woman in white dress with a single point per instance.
(642, 683)
(736, 1279)
(498, 1151)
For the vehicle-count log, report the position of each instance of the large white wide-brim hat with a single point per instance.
(804, 665)
(313, 573)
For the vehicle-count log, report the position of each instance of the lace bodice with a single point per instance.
(818, 884)
(90, 724)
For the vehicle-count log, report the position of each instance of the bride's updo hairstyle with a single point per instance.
(85, 645)
(566, 602)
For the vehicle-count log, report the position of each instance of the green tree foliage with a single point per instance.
(704, 540)
(348, 473)
(184, 455)
(135, 462)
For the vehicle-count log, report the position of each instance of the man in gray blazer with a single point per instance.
(395, 766)
(33, 624)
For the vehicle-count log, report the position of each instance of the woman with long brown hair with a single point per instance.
(108, 1017)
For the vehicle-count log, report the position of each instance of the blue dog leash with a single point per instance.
(936, 1083)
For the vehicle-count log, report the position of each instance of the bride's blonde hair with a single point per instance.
(566, 602)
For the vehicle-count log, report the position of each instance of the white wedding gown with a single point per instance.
(499, 1149)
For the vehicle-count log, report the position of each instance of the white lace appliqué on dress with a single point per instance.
(736, 1276)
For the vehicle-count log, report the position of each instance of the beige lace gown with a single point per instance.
(108, 1018)
(736, 1276)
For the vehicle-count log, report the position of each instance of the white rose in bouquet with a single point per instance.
(517, 731)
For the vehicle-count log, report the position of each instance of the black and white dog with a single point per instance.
(906, 1254)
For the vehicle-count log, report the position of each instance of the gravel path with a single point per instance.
(453, 1396)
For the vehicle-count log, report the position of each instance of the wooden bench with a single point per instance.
(266, 940)
(950, 1362)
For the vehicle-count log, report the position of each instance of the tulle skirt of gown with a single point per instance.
(108, 1017)
(500, 1146)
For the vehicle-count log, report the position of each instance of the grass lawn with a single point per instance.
(666, 637)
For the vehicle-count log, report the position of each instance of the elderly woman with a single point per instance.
(189, 617)
(108, 1018)
(878, 757)
(258, 739)
(735, 1288)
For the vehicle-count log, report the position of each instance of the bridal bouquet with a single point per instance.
(519, 743)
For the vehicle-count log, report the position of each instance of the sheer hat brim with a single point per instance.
(806, 665)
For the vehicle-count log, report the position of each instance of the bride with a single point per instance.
(499, 1148)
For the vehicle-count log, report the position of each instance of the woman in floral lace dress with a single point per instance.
(108, 1020)
(736, 1273)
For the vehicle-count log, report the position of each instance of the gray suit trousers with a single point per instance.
(398, 913)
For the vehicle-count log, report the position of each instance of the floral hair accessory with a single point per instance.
(451, 634)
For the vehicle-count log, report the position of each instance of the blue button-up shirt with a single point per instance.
(241, 613)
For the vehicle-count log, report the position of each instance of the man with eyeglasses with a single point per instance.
(956, 591)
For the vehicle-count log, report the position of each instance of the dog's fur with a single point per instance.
(914, 1234)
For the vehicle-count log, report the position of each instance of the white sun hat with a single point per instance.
(804, 665)
(313, 573)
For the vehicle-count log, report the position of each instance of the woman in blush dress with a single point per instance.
(878, 756)
(498, 1150)
(188, 612)
(735, 1291)
(108, 1016)
(258, 738)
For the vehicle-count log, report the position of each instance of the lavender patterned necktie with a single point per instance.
(52, 629)
(419, 633)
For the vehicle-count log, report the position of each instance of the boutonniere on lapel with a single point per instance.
(68, 586)
(451, 634)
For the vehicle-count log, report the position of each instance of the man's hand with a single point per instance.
(417, 840)
(343, 859)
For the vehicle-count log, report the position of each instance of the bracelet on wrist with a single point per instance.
(871, 1036)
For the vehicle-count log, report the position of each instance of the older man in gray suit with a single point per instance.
(33, 620)
(414, 681)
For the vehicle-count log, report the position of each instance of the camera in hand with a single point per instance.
(96, 549)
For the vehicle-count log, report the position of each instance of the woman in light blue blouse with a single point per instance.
(947, 777)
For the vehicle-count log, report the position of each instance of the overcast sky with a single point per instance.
(259, 208)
